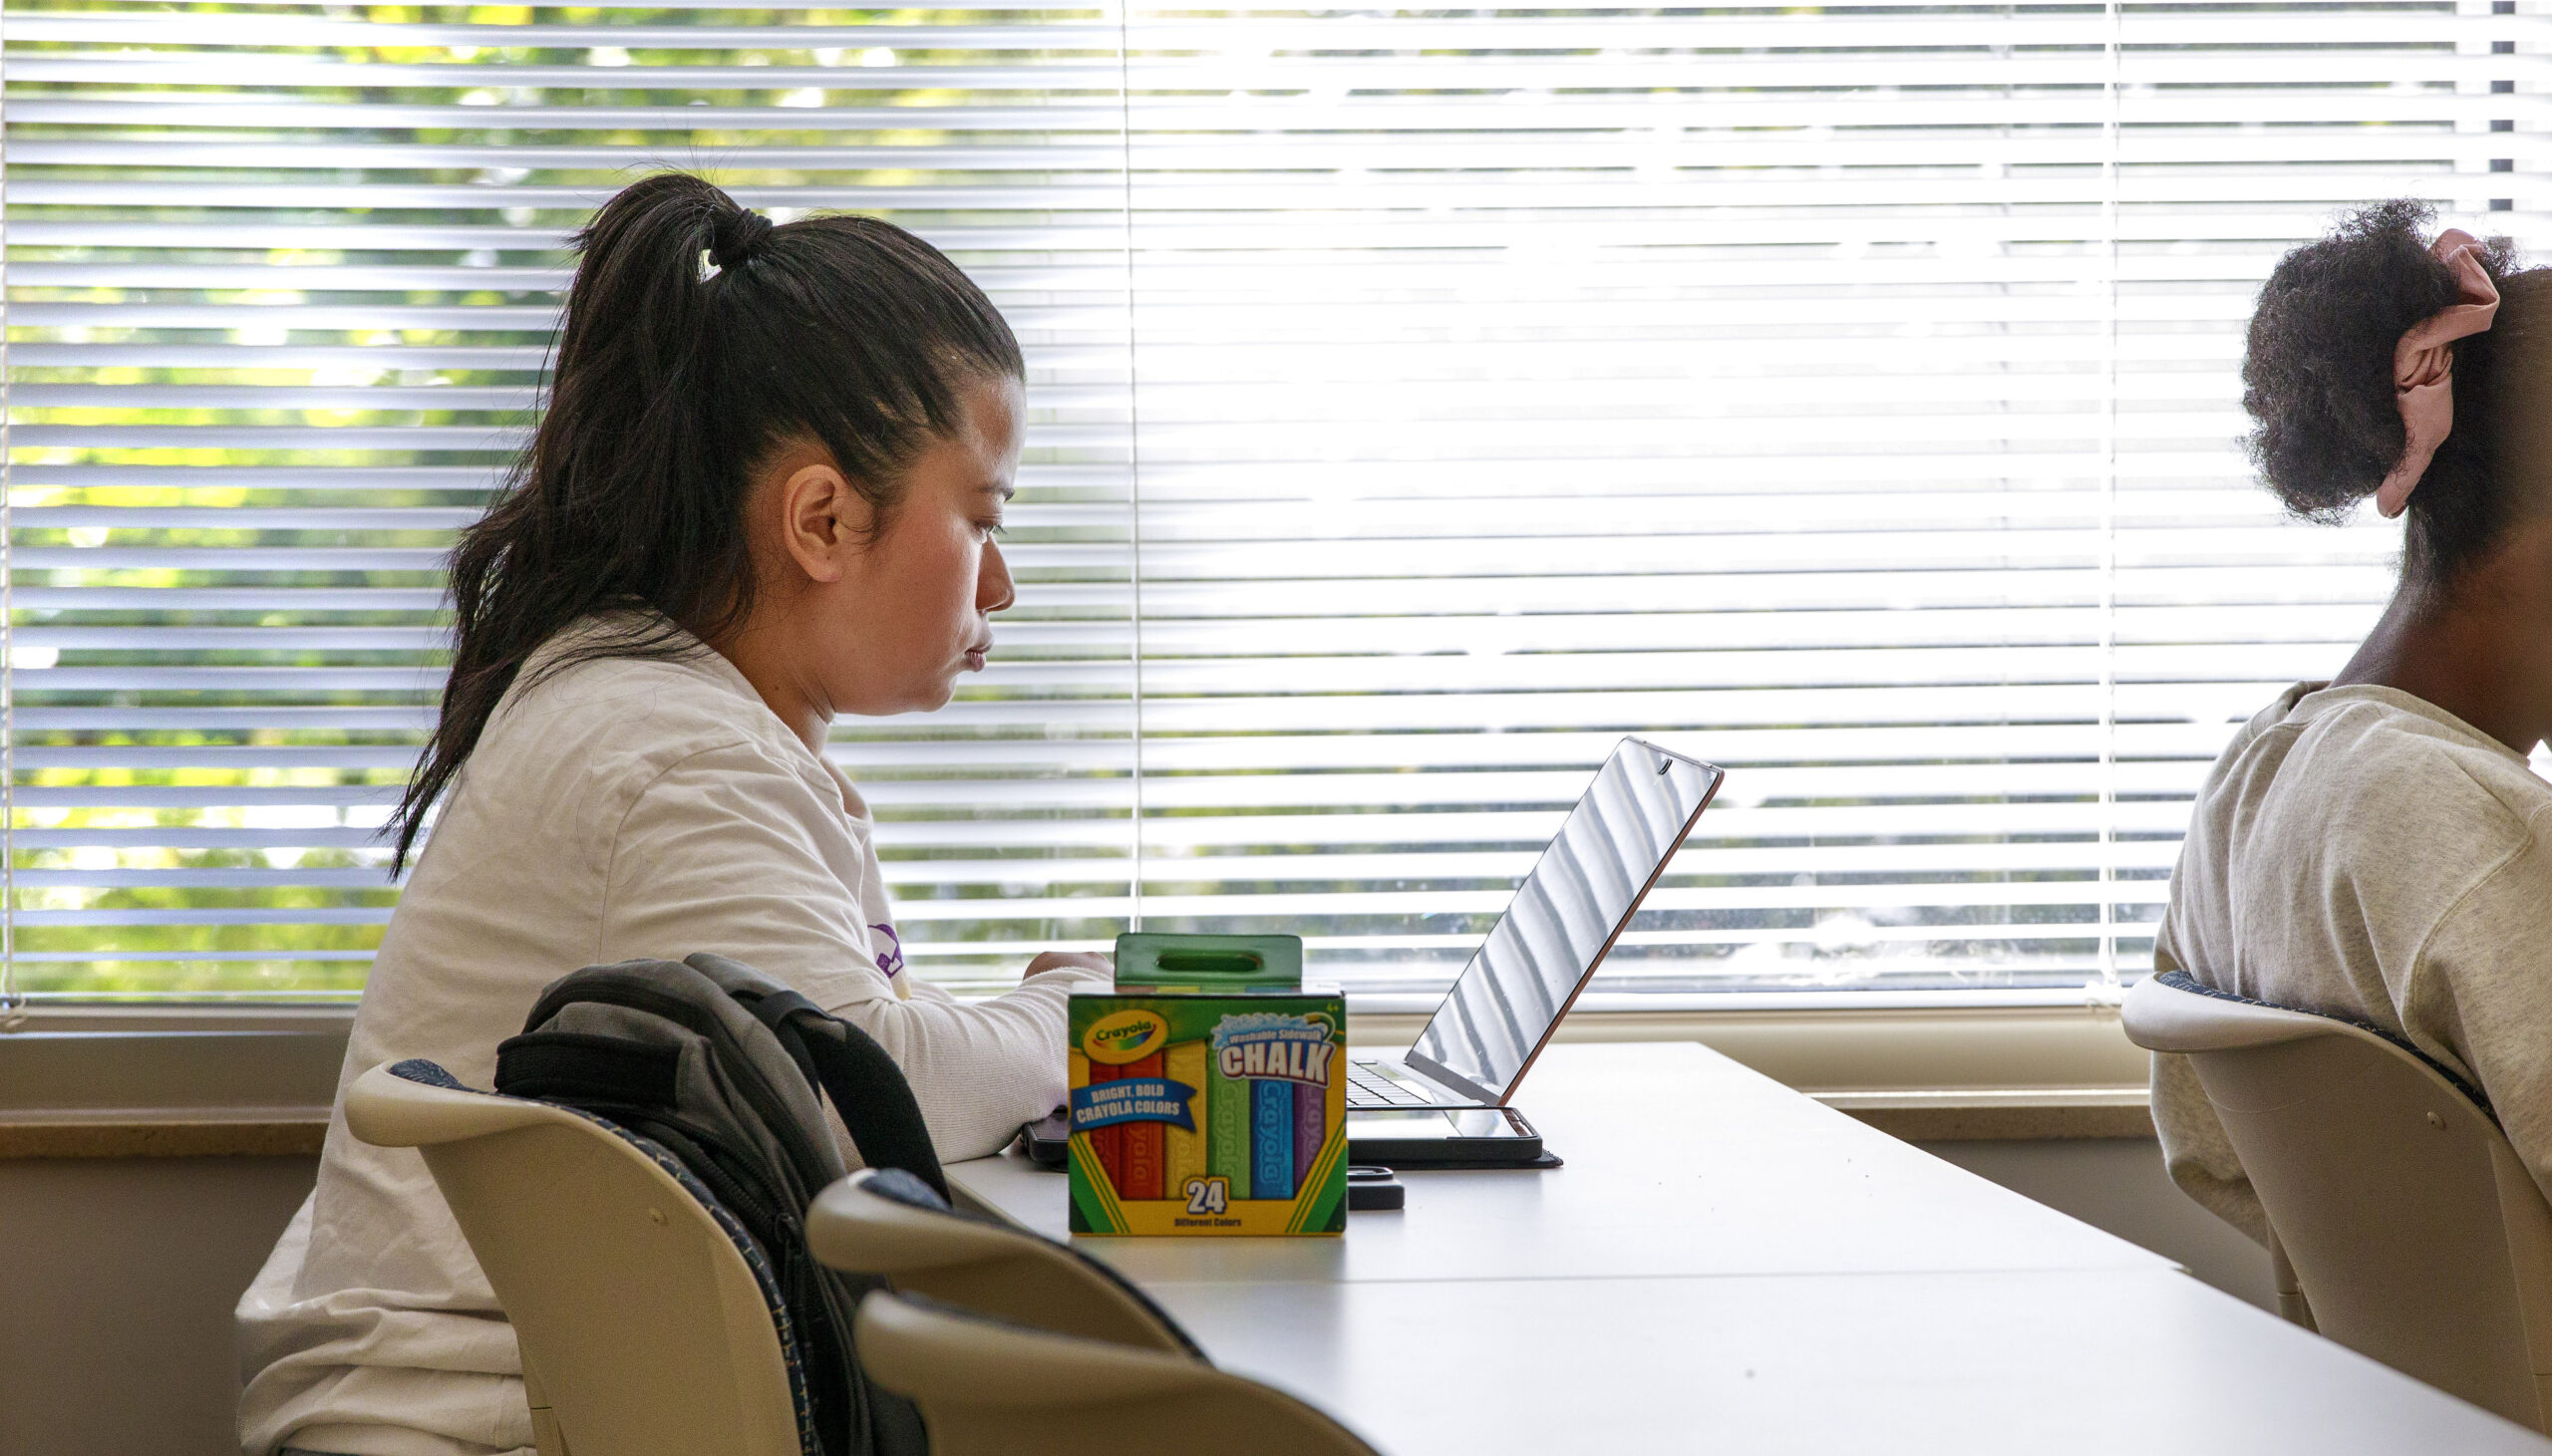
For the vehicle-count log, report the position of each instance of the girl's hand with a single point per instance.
(1059, 960)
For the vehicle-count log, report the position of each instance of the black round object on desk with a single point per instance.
(1374, 1190)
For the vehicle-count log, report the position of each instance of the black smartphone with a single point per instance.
(1417, 1139)
(1050, 1142)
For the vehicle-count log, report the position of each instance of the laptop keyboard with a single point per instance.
(1366, 1087)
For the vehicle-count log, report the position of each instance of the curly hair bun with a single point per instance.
(2318, 373)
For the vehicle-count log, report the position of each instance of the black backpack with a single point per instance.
(717, 1064)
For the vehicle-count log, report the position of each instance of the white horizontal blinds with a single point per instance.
(282, 282)
(1516, 380)
(1843, 396)
(12, 999)
(2246, 132)
(1734, 380)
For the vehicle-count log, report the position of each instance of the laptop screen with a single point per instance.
(1565, 915)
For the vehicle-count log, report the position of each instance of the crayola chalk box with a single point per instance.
(1208, 1111)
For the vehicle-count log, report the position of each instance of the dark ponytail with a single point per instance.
(2316, 378)
(699, 340)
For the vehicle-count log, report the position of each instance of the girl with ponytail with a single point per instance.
(763, 492)
(2375, 847)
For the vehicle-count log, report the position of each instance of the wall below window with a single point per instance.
(2118, 1184)
(124, 1271)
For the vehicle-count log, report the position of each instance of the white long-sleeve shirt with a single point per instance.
(617, 809)
(2364, 853)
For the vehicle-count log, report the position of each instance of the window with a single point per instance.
(1421, 399)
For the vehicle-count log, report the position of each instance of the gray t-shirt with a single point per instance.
(2359, 852)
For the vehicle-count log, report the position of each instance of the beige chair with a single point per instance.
(893, 1224)
(644, 1328)
(2413, 1230)
(990, 1388)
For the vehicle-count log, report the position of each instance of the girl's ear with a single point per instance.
(823, 521)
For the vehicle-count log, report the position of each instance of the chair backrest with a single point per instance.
(646, 1326)
(894, 1226)
(990, 1388)
(2415, 1229)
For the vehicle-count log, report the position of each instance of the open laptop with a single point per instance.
(1447, 1100)
(1564, 919)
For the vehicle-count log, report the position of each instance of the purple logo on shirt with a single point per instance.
(891, 959)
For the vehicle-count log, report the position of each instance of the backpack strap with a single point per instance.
(581, 1068)
(866, 1087)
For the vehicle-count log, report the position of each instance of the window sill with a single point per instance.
(197, 1082)
(2014, 1114)
(1958, 1116)
(169, 1134)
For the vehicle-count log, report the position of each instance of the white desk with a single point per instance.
(1680, 1162)
(1964, 1364)
(1725, 1265)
